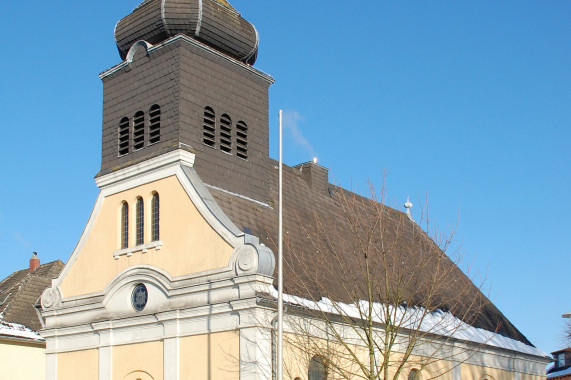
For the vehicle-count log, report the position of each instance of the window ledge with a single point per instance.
(143, 248)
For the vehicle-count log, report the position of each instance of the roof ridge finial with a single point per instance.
(408, 206)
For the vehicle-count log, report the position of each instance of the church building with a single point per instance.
(173, 276)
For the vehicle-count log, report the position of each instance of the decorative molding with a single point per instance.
(135, 48)
(143, 248)
(199, 19)
(51, 298)
(170, 159)
(200, 45)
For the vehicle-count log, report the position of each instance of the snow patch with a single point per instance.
(18, 331)
(438, 322)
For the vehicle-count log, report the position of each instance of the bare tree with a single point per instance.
(379, 296)
(567, 331)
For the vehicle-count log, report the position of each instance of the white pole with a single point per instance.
(280, 264)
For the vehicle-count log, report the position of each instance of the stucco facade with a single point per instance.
(21, 359)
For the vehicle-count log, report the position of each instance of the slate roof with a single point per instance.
(214, 22)
(20, 291)
(303, 203)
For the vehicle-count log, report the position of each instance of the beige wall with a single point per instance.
(210, 357)
(21, 361)
(190, 245)
(144, 358)
(298, 351)
(78, 365)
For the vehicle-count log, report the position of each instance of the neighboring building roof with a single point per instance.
(304, 200)
(20, 291)
(17, 331)
(560, 370)
(560, 374)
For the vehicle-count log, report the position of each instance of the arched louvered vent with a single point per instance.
(209, 127)
(123, 136)
(139, 130)
(154, 124)
(226, 134)
(242, 140)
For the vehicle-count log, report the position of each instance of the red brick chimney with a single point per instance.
(34, 262)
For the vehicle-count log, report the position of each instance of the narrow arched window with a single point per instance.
(317, 369)
(225, 133)
(242, 140)
(125, 225)
(209, 127)
(139, 130)
(124, 136)
(140, 221)
(413, 375)
(155, 217)
(154, 124)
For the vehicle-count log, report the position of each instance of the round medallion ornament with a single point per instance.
(139, 297)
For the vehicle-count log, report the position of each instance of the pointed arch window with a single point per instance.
(242, 140)
(155, 216)
(317, 369)
(226, 133)
(154, 124)
(125, 225)
(124, 136)
(209, 127)
(140, 221)
(139, 130)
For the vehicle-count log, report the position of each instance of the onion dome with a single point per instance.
(214, 22)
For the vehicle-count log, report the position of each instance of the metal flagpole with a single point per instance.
(280, 262)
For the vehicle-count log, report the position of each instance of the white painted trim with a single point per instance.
(255, 48)
(105, 362)
(199, 19)
(164, 18)
(210, 210)
(142, 248)
(457, 371)
(176, 157)
(198, 44)
(137, 46)
(51, 366)
(171, 358)
(79, 246)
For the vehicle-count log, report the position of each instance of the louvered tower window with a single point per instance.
(226, 134)
(140, 221)
(124, 136)
(209, 127)
(242, 140)
(154, 124)
(125, 225)
(139, 130)
(155, 217)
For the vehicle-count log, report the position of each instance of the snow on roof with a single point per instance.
(553, 375)
(18, 331)
(438, 322)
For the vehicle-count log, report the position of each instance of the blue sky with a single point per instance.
(464, 103)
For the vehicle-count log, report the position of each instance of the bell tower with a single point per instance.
(186, 82)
